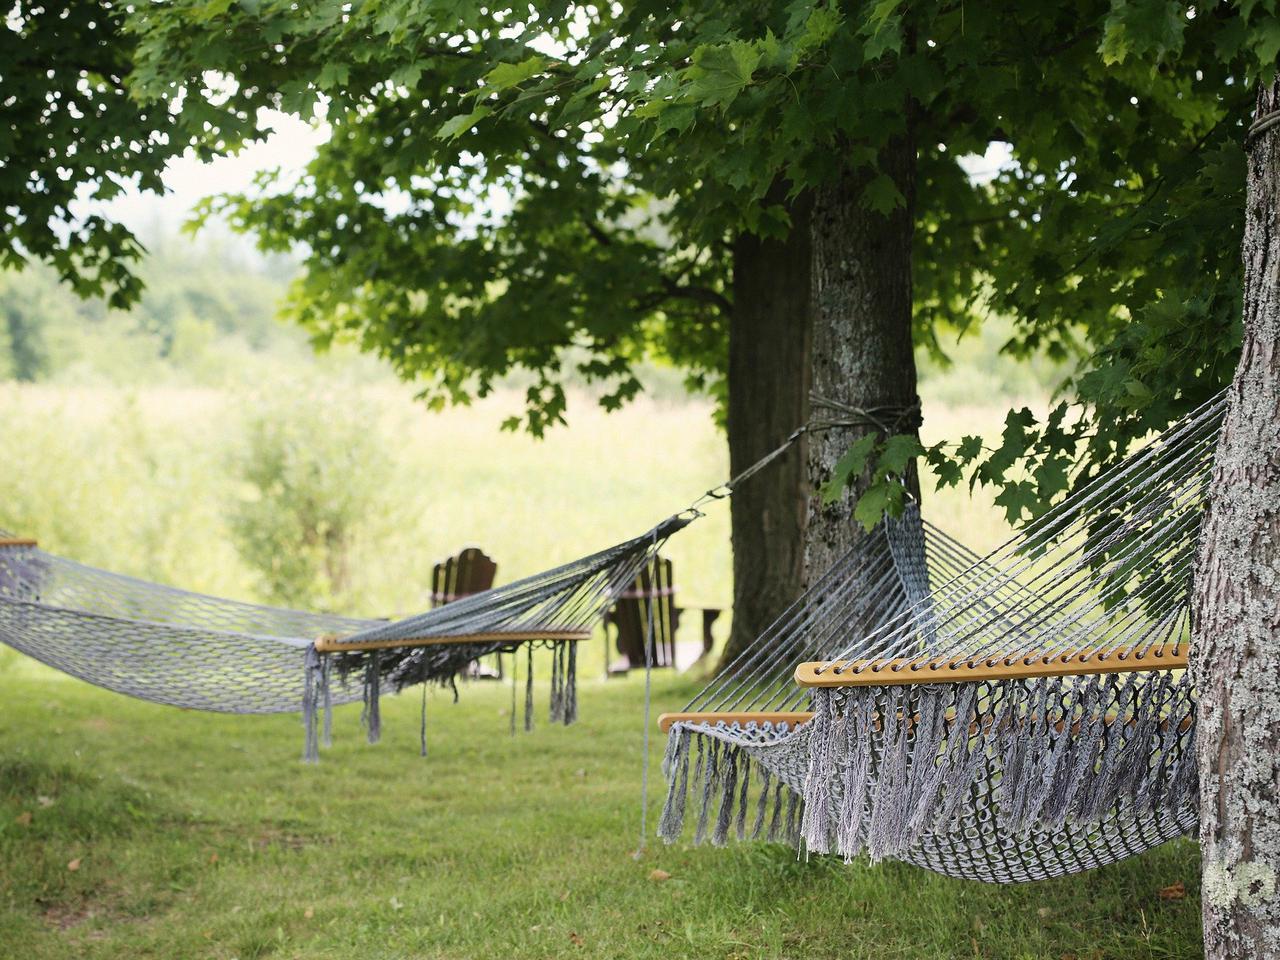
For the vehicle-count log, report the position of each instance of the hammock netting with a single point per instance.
(187, 649)
(1018, 774)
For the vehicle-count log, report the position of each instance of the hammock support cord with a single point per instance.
(939, 738)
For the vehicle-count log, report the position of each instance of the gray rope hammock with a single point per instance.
(1013, 717)
(186, 649)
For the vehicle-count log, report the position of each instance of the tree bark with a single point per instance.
(862, 346)
(768, 399)
(827, 312)
(1236, 649)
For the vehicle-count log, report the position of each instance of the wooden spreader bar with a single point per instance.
(331, 644)
(17, 542)
(740, 717)
(820, 673)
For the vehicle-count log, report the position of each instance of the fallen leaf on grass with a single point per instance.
(657, 876)
(576, 940)
(1175, 891)
(74, 864)
(23, 819)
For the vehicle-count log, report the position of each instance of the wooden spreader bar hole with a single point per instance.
(740, 718)
(332, 644)
(17, 542)
(881, 673)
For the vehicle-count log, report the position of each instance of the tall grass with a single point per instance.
(148, 482)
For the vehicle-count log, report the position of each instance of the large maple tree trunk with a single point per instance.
(768, 399)
(1236, 649)
(862, 347)
(827, 314)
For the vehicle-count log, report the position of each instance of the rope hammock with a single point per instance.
(186, 649)
(1013, 717)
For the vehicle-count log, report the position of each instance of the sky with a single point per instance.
(290, 146)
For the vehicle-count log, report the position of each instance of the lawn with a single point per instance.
(133, 830)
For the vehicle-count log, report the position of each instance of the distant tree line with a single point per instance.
(193, 295)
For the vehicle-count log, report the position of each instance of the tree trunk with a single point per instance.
(1236, 651)
(862, 347)
(768, 399)
(827, 311)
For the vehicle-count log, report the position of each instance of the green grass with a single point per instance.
(205, 836)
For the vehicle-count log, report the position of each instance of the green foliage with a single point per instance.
(1113, 235)
(24, 316)
(315, 479)
(886, 492)
(575, 180)
(204, 317)
(72, 130)
(1126, 236)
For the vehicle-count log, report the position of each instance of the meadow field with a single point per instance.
(133, 830)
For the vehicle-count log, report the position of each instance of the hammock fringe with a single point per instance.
(727, 783)
(891, 765)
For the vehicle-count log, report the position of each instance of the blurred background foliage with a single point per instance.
(197, 440)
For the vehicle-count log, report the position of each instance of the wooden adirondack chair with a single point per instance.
(629, 617)
(471, 571)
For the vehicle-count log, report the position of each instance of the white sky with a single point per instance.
(290, 146)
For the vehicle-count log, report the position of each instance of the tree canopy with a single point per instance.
(73, 129)
(517, 187)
